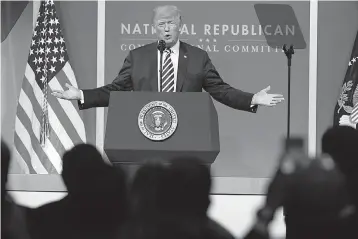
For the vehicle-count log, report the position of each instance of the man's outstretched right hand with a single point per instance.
(71, 94)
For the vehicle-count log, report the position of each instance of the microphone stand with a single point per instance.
(161, 70)
(161, 47)
(288, 52)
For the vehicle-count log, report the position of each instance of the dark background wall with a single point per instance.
(337, 29)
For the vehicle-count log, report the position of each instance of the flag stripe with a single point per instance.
(64, 120)
(69, 110)
(25, 124)
(24, 155)
(35, 152)
(33, 111)
(54, 121)
(62, 80)
(56, 143)
(60, 130)
(24, 167)
(29, 93)
(67, 69)
(66, 75)
(28, 119)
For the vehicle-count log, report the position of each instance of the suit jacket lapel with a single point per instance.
(182, 66)
(153, 64)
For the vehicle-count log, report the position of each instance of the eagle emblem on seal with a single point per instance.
(157, 120)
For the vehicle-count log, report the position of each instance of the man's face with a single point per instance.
(167, 25)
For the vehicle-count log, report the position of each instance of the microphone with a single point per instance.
(288, 52)
(161, 48)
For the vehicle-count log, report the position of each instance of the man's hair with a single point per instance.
(170, 8)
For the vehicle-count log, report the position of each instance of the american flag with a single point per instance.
(46, 126)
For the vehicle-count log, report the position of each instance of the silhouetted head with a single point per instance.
(147, 190)
(83, 165)
(97, 190)
(189, 186)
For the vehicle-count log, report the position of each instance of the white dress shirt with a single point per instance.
(175, 59)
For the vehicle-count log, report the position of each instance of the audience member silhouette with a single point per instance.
(172, 202)
(189, 187)
(147, 190)
(314, 195)
(341, 143)
(320, 197)
(145, 197)
(317, 201)
(95, 206)
(13, 216)
(188, 198)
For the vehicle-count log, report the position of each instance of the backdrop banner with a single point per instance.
(232, 35)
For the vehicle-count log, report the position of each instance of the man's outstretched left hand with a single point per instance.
(263, 98)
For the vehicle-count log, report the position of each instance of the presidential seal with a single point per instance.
(157, 120)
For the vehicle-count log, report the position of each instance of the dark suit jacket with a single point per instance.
(195, 72)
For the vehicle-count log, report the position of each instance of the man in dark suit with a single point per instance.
(185, 69)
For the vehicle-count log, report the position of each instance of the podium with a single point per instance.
(196, 134)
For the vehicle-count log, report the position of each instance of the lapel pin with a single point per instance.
(184, 56)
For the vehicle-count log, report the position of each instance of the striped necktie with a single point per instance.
(168, 73)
